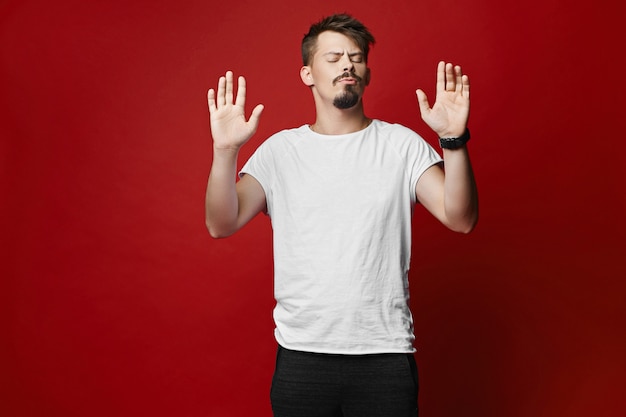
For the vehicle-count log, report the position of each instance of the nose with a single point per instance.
(348, 65)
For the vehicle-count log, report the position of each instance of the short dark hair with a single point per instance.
(341, 23)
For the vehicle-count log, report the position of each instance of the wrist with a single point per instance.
(226, 149)
(454, 142)
(226, 156)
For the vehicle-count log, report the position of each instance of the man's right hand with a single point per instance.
(229, 127)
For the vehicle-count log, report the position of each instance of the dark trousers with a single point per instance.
(320, 385)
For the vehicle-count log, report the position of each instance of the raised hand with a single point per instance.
(229, 127)
(448, 116)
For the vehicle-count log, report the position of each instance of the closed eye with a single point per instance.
(333, 56)
(356, 57)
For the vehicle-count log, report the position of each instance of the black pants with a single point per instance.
(320, 385)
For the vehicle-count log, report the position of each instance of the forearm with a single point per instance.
(221, 202)
(460, 194)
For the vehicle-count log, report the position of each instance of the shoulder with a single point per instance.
(286, 137)
(279, 144)
(393, 129)
(395, 132)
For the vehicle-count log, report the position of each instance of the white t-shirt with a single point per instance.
(341, 209)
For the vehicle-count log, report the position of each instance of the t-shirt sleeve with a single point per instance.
(261, 165)
(420, 156)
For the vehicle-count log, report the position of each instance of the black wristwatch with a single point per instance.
(455, 143)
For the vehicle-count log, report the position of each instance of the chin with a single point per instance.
(347, 100)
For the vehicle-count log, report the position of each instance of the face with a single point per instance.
(338, 73)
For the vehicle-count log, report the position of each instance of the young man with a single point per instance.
(340, 194)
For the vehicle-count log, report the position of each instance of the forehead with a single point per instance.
(330, 41)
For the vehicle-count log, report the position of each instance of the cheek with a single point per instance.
(328, 75)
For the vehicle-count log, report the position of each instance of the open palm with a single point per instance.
(229, 127)
(448, 116)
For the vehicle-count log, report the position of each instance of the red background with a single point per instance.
(116, 302)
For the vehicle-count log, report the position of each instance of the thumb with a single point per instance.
(422, 101)
(256, 115)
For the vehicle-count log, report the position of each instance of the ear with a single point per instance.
(366, 79)
(305, 76)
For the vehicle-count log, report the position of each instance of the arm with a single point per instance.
(450, 195)
(230, 204)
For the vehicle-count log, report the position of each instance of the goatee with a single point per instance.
(348, 99)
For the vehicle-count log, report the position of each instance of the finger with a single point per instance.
(441, 77)
(241, 92)
(450, 84)
(422, 102)
(229, 88)
(211, 100)
(458, 82)
(466, 86)
(221, 86)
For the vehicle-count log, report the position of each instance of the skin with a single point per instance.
(338, 65)
(335, 56)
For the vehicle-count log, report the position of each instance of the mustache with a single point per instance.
(347, 75)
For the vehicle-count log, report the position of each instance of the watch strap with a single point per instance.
(455, 143)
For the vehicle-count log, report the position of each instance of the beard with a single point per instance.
(347, 99)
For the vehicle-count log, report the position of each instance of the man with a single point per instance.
(340, 194)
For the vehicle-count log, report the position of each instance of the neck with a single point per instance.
(333, 121)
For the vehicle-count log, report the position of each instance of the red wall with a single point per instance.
(114, 301)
